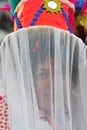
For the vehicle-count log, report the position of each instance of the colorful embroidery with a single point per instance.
(52, 6)
(3, 114)
(37, 15)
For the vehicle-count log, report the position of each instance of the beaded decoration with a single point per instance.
(34, 20)
(17, 21)
(52, 6)
(3, 114)
(67, 20)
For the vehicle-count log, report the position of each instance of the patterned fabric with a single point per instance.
(3, 114)
(29, 13)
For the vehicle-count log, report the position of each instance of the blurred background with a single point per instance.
(6, 22)
(2, 2)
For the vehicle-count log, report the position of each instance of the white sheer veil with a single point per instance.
(44, 70)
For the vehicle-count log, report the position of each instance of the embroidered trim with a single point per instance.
(37, 15)
(17, 21)
(67, 20)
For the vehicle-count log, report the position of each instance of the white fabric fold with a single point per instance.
(44, 70)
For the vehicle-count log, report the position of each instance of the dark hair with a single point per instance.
(5, 21)
(81, 32)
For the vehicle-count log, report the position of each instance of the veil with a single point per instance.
(44, 72)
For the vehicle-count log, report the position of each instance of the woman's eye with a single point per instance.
(42, 75)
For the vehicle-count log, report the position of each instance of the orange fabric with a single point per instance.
(46, 18)
(19, 11)
(72, 18)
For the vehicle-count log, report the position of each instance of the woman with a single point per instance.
(44, 80)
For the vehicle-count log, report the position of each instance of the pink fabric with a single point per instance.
(73, 1)
(84, 9)
(3, 113)
(6, 7)
(49, 120)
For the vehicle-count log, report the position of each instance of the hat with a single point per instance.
(52, 13)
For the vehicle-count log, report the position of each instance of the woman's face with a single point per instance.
(43, 80)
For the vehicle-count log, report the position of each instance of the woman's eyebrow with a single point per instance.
(44, 70)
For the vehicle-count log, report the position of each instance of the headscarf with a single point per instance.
(44, 72)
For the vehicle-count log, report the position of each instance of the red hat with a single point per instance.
(45, 12)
